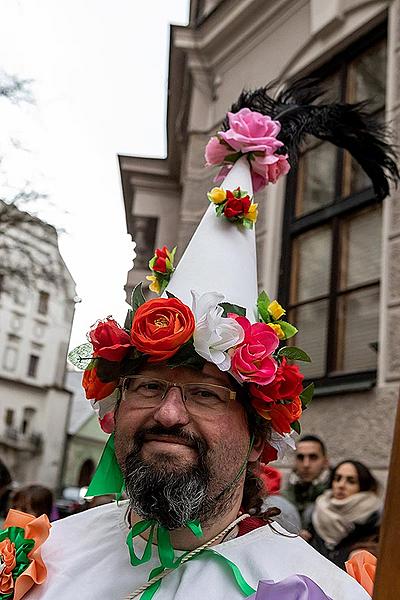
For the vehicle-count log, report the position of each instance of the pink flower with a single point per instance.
(252, 360)
(215, 152)
(268, 169)
(250, 131)
(107, 422)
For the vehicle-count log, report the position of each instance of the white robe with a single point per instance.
(87, 559)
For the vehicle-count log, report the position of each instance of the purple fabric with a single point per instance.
(295, 587)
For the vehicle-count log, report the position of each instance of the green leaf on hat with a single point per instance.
(186, 357)
(169, 295)
(247, 223)
(307, 395)
(219, 209)
(232, 308)
(232, 157)
(137, 298)
(81, 356)
(263, 302)
(296, 426)
(288, 329)
(294, 353)
(128, 319)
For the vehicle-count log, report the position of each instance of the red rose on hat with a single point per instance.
(160, 264)
(109, 340)
(236, 207)
(161, 326)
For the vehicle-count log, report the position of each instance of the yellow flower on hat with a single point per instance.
(155, 285)
(217, 195)
(253, 213)
(277, 329)
(276, 310)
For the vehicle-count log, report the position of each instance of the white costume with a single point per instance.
(87, 559)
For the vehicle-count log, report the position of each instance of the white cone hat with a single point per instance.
(221, 256)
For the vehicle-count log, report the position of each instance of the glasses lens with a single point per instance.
(206, 397)
(144, 391)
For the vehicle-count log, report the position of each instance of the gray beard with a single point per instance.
(170, 496)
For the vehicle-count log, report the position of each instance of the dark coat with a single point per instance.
(365, 536)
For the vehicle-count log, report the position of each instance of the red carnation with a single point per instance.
(236, 207)
(109, 340)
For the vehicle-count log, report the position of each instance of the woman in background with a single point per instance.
(346, 517)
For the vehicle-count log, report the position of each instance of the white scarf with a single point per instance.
(334, 519)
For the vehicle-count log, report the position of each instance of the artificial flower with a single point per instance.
(252, 360)
(95, 388)
(281, 443)
(287, 384)
(109, 340)
(281, 415)
(276, 310)
(21, 563)
(155, 284)
(163, 260)
(217, 195)
(362, 566)
(250, 131)
(215, 152)
(255, 135)
(160, 327)
(107, 423)
(214, 334)
(236, 206)
(252, 213)
(278, 330)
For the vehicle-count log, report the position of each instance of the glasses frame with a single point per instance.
(181, 386)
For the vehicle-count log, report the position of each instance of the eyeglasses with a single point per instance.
(199, 398)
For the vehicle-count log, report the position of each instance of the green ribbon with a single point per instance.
(108, 478)
(23, 546)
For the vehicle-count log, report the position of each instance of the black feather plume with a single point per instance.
(301, 112)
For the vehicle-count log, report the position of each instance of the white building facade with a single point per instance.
(326, 247)
(35, 327)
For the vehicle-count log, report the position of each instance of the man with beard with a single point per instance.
(197, 387)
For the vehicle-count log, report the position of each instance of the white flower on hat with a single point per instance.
(281, 443)
(214, 334)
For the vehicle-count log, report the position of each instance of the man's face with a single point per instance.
(310, 461)
(166, 450)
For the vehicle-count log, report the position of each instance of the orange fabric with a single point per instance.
(362, 566)
(36, 529)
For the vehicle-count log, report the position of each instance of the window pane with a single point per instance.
(361, 248)
(312, 323)
(311, 264)
(316, 179)
(358, 324)
(367, 77)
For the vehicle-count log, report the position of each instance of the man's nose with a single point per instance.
(172, 410)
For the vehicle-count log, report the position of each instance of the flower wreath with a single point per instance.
(167, 330)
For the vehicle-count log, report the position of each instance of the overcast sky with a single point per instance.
(99, 71)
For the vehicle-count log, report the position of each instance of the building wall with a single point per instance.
(87, 443)
(247, 44)
(34, 405)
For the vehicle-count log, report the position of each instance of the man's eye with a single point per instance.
(149, 387)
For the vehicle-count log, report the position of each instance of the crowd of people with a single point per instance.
(337, 510)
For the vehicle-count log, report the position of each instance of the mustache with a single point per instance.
(192, 440)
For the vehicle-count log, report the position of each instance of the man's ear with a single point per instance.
(257, 450)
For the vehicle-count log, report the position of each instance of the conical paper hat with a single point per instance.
(221, 257)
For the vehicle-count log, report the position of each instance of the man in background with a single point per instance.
(310, 475)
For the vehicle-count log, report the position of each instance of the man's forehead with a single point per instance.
(309, 448)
